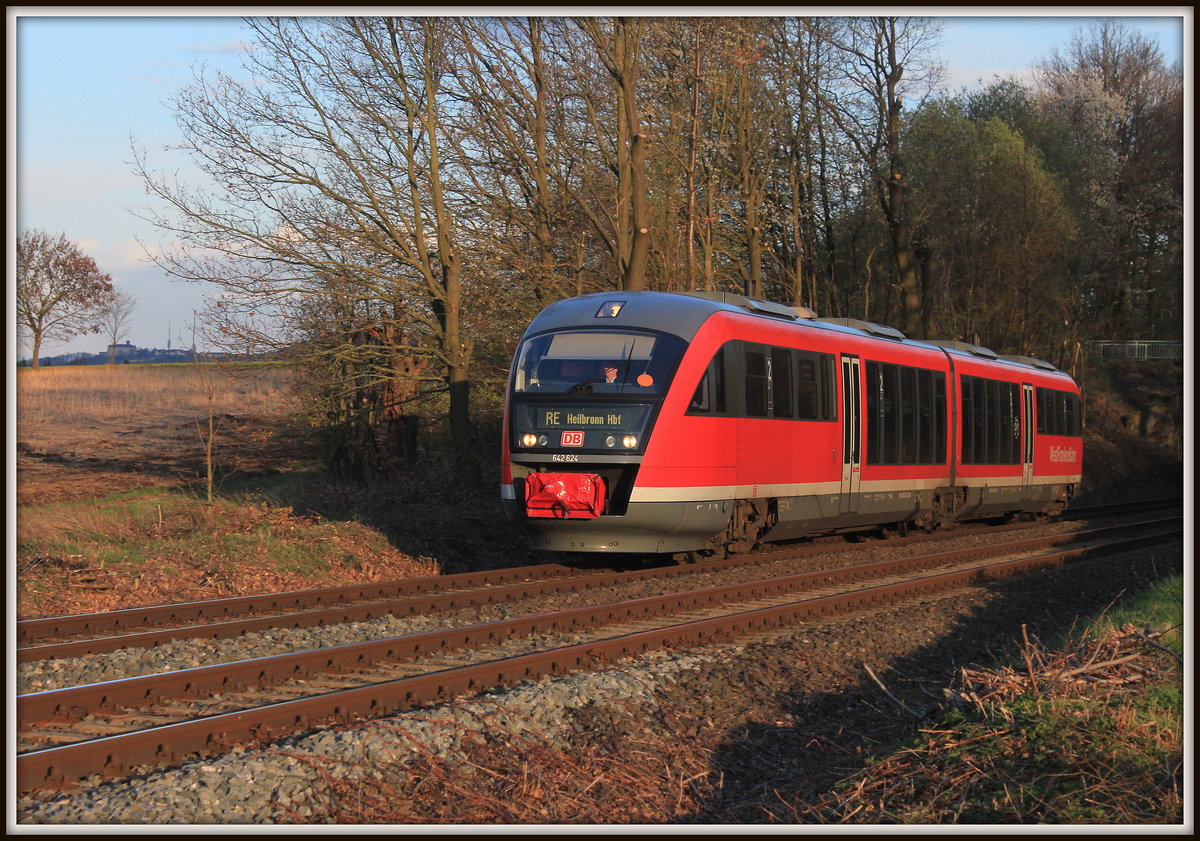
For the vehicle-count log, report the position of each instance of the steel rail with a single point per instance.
(403, 607)
(114, 755)
(31, 630)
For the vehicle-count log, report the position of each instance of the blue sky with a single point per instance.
(85, 85)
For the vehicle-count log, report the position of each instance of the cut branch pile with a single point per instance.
(1113, 661)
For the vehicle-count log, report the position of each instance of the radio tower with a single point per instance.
(168, 334)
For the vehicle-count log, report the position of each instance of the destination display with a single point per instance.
(552, 418)
(624, 418)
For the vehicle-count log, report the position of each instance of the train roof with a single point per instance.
(683, 313)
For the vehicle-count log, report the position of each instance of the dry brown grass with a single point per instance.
(155, 547)
(85, 431)
(48, 399)
(111, 505)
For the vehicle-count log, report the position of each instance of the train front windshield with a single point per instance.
(597, 362)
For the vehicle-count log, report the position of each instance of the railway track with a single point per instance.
(120, 726)
(146, 627)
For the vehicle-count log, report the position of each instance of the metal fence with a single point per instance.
(1143, 351)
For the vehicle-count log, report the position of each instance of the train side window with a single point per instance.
(782, 405)
(756, 383)
(906, 415)
(882, 415)
(1072, 422)
(807, 386)
(925, 417)
(969, 432)
(909, 434)
(828, 389)
(1058, 412)
(890, 413)
(775, 382)
(939, 411)
(1010, 425)
(709, 397)
(874, 414)
(991, 421)
(1013, 424)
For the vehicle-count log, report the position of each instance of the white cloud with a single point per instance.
(126, 254)
(225, 48)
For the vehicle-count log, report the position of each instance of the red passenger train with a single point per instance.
(700, 424)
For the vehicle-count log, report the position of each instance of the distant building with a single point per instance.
(129, 353)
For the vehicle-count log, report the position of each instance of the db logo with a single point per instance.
(572, 439)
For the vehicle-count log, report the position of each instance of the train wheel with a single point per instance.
(750, 521)
(946, 507)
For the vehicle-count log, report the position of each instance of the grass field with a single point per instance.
(112, 505)
(51, 398)
(86, 431)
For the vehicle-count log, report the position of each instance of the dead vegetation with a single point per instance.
(163, 547)
(503, 778)
(89, 431)
(49, 399)
(1089, 733)
(1058, 739)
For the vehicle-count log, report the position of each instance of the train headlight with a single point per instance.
(529, 440)
(629, 442)
(543, 440)
(610, 441)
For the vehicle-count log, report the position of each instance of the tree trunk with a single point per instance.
(462, 431)
(633, 208)
(895, 207)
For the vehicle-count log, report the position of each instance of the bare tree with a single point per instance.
(612, 111)
(59, 289)
(114, 316)
(330, 177)
(510, 85)
(886, 60)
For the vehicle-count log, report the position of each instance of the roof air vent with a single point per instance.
(964, 347)
(752, 304)
(1029, 360)
(867, 327)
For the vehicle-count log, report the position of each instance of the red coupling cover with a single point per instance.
(564, 495)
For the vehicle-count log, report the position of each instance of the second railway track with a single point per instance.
(147, 627)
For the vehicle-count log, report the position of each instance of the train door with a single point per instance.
(1027, 424)
(851, 434)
